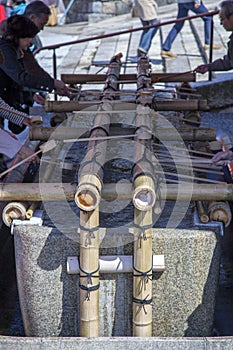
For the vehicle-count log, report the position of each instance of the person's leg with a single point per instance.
(206, 19)
(147, 35)
(182, 12)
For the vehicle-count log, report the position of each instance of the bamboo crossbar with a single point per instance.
(60, 192)
(163, 134)
(166, 105)
(155, 77)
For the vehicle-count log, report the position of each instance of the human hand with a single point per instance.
(61, 88)
(39, 99)
(197, 5)
(27, 121)
(222, 158)
(203, 68)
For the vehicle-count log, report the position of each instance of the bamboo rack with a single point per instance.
(89, 189)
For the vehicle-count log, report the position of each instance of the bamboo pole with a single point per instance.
(31, 209)
(155, 77)
(163, 134)
(14, 210)
(89, 273)
(45, 133)
(187, 134)
(202, 212)
(166, 105)
(88, 192)
(144, 198)
(87, 197)
(220, 211)
(59, 133)
(142, 281)
(59, 191)
(144, 195)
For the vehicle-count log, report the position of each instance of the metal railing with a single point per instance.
(103, 36)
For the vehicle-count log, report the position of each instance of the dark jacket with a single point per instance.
(14, 77)
(32, 66)
(226, 62)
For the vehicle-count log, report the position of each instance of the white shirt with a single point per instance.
(9, 146)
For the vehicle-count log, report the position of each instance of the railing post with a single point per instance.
(55, 68)
(211, 44)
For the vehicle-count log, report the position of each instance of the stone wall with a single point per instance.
(97, 10)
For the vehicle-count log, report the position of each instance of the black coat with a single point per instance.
(14, 77)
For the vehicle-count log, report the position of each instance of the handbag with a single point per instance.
(53, 17)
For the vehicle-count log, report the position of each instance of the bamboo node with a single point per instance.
(89, 275)
(144, 276)
(90, 234)
(142, 231)
(143, 302)
(89, 289)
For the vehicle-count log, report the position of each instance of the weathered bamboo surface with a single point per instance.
(144, 198)
(87, 197)
(187, 134)
(14, 210)
(220, 211)
(202, 212)
(158, 105)
(142, 281)
(89, 273)
(59, 191)
(155, 77)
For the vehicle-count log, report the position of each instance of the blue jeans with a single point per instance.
(183, 10)
(147, 34)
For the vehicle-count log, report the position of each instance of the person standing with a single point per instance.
(184, 6)
(146, 10)
(225, 63)
(13, 76)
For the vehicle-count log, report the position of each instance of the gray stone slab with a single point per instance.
(116, 343)
(218, 92)
(184, 294)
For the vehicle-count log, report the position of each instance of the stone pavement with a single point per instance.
(94, 55)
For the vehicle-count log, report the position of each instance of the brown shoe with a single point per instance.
(168, 54)
(141, 53)
(215, 47)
